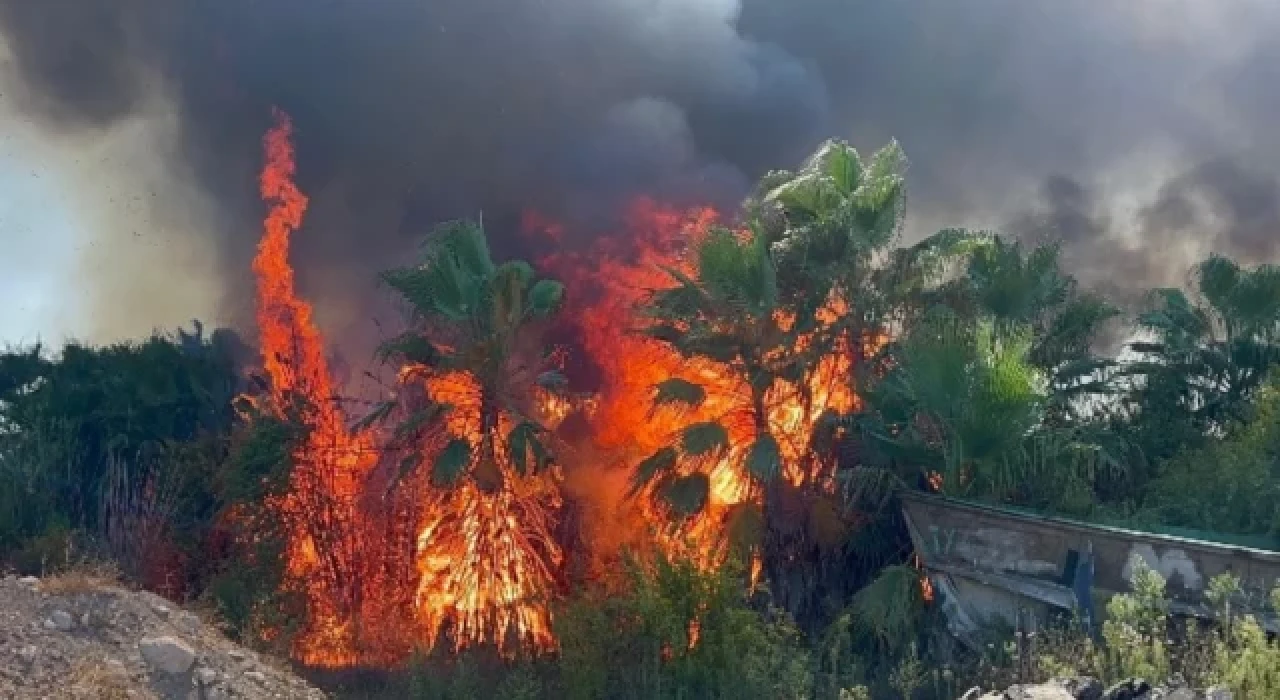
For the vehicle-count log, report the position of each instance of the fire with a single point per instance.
(483, 564)
(487, 561)
(609, 282)
(330, 469)
(477, 562)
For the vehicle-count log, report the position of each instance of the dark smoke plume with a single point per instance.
(1139, 132)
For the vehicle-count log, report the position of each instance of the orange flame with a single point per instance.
(478, 565)
(487, 561)
(323, 553)
(609, 283)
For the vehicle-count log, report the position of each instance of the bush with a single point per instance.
(1229, 486)
(680, 632)
(1139, 640)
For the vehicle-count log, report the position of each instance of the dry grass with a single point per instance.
(83, 578)
(98, 680)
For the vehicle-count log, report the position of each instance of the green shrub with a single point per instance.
(641, 644)
(1136, 629)
(1229, 486)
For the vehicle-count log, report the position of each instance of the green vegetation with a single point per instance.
(1141, 640)
(990, 384)
(470, 315)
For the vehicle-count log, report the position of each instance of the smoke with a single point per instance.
(1138, 132)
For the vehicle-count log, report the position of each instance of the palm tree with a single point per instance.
(472, 402)
(990, 376)
(472, 329)
(760, 317)
(1031, 291)
(1204, 360)
(766, 305)
(727, 318)
(827, 223)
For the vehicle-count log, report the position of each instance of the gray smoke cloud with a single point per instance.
(1140, 133)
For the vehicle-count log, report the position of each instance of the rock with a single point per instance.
(84, 620)
(161, 611)
(206, 677)
(1048, 691)
(29, 581)
(237, 655)
(187, 621)
(1084, 688)
(62, 620)
(1132, 689)
(167, 654)
(256, 676)
(1218, 693)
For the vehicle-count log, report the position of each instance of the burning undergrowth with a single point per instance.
(505, 468)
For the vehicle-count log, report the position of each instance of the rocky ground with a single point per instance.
(1090, 689)
(76, 637)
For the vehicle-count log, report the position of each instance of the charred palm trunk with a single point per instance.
(487, 474)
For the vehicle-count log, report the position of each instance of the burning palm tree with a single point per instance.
(477, 403)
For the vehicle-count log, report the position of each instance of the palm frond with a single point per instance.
(704, 439)
(687, 495)
(676, 391)
(451, 464)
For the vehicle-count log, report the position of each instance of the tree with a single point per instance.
(1031, 292)
(473, 403)
(471, 324)
(1203, 360)
(763, 306)
(776, 321)
(727, 317)
(990, 380)
(97, 434)
(1227, 486)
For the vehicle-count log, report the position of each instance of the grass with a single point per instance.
(84, 577)
(97, 679)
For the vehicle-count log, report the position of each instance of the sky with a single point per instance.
(37, 241)
(1141, 134)
(62, 275)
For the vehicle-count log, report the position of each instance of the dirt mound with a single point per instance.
(74, 636)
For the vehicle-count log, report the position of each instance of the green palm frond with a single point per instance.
(546, 297)
(764, 459)
(451, 464)
(739, 274)
(890, 607)
(465, 243)
(704, 439)
(687, 495)
(525, 447)
(679, 392)
(657, 464)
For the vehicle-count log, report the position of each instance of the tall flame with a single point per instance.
(324, 550)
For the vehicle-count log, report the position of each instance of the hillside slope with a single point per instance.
(73, 637)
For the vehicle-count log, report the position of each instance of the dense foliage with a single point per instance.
(979, 371)
(470, 321)
(121, 442)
